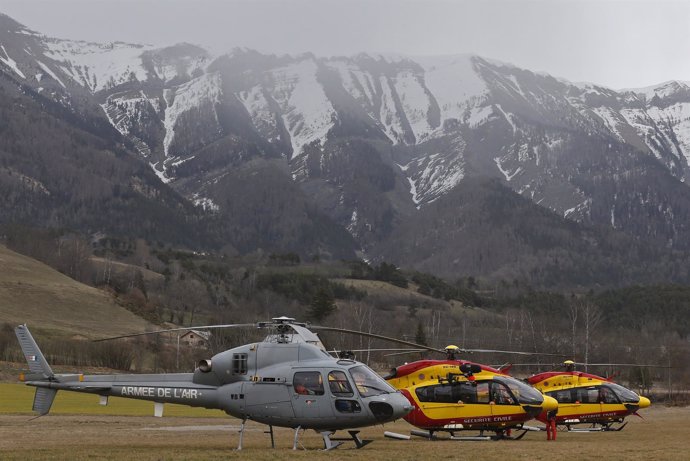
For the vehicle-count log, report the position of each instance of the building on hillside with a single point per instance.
(195, 338)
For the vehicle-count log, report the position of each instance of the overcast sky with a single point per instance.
(617, 43)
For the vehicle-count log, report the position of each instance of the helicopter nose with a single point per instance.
(549, 404)
(644, 402)
(400, 406)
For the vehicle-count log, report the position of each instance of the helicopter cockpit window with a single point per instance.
(239, 364)
(607, 395)
(524, 393)
(308, 383)
(624, 394)
(500, 394)
(339, 385)
(369, 383)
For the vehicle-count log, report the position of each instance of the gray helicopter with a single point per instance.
(286, 380)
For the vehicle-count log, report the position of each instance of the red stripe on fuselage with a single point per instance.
(550, 374)
(409, 368)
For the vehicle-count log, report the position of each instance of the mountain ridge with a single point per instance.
(366, 143)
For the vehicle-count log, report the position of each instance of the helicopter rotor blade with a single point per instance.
(621, 365)
(422, 347)
(379, 350)
(373, 335)
(201, 327)
(404, 352)
(510, 352)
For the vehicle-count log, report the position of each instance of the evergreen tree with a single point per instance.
(322, 305)
(420, 337)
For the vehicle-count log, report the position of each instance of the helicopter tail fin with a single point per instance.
(40, 371)
(38, 365)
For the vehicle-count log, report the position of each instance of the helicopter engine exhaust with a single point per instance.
(204, 365)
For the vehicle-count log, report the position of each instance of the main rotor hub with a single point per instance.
(451, 350)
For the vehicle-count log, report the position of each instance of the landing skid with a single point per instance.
(330, 443)
(597, 427)
(354, 436)
(497, 435)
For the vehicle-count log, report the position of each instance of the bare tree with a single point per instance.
(592, 317)
(573, 311)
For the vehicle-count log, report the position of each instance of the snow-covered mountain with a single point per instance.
(371, 139)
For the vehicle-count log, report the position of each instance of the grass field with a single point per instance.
(54, 304)
(79, 429)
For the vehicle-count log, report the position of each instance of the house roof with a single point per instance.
(202, 334)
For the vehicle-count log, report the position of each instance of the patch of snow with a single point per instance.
(413, 191)
(388, 115)
(306, 111)
(517, 86)
(50, 72)
(161, 174)
(11, 63)
(576, 208)
(479, 115)
(506, 173)
(204, 203)
(415, 103)
(183, 66)
(201, 90)
(611, 119)
(639, 119)
(454, 83)
(677, 117)
(508, 118)
(353, 222)
(180, 161)
(662, 90)
(355, 81)
(259, 109)
(98, 66)
(432, 176)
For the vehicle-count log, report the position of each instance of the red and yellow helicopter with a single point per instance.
(455, 395)
(585, 399)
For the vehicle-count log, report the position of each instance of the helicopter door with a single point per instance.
(502, 401)
(454, 401)
(343, 398)
(309, 395)
(607, 398)
(587, 401)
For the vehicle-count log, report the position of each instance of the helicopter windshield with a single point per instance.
(369, 383)
(623, 393)
(524, 393)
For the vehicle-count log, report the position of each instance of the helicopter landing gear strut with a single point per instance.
(270, 431)
(296, 440)
(354, 435)
(329, 444)
(239, 446)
